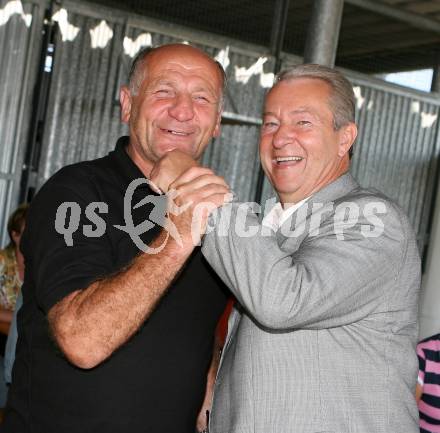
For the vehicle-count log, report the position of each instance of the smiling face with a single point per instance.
(300, 150)
(177, 105)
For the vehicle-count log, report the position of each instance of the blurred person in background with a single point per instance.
(428, 384)
(11, 268)
(11, 278)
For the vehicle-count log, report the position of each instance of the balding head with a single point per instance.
(139, 66)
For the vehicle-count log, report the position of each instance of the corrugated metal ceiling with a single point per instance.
(427, 8)
(369, 41)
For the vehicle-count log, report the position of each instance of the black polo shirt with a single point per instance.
(155, 382)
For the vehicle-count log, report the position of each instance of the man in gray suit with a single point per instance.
(323, 338)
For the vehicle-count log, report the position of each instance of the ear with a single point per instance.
(348, 134)
(216, 131)
(125, 101)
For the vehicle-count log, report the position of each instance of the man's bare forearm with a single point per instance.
(90, 324)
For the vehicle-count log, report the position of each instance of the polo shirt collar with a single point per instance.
(128, 170)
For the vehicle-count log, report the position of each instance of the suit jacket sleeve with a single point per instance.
(317, 282)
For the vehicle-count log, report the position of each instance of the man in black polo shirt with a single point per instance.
(114, 339)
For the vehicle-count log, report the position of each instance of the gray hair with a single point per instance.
(342, 100)
(137, 72)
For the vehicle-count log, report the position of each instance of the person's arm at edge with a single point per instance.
(219, 342)
(6, 315)
(5, 320)
(421, 375)
(202, 419)
(419, 392)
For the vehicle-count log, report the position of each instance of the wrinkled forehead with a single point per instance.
(299, 90)
(187, 63)
(301, 84)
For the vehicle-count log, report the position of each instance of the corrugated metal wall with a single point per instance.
(398, 147)
(82, 119)
(235, 153)
(83, 115)
(17, 23)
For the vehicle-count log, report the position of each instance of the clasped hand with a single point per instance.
(196, 190)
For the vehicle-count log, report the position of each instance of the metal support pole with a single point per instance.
(435, 83)
(323, 32)
(279, 22)
(41, 96)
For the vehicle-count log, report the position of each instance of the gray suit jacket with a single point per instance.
(324, 339)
